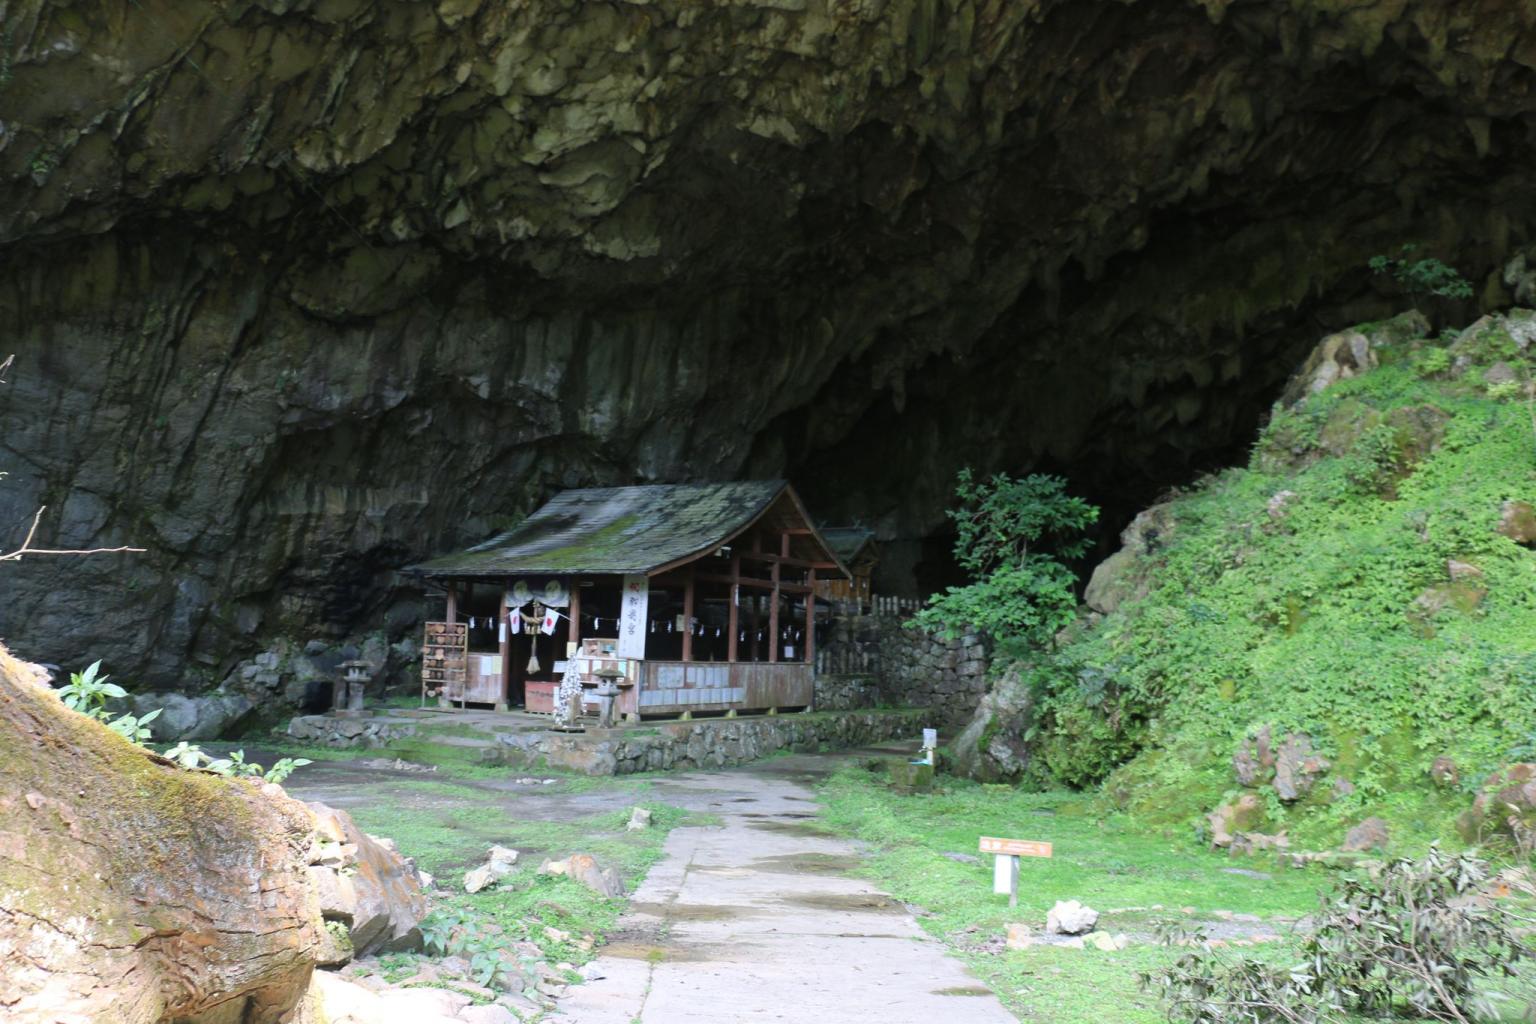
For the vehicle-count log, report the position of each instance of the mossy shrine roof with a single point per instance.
(629, 530)
(851, 544)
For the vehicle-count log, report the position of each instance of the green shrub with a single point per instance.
(1416, 943)
(1418, 277)
(1010, 537)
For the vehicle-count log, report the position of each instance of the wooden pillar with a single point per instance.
(688, 618)
(734, 599)
(452, 614)
(504, 646)
(773, 612)
(573, 624)
(810, 618)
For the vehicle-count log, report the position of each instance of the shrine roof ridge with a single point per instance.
(622, 530)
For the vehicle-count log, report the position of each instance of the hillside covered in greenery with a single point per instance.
(1364, 591)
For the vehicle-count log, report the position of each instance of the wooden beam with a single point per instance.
(452, 614)
(573, 624)
(797, 563)
(688, 619)
(748, 581)
(733, 596)
(784, 544)
(504, 646)
(810, 622)
(773, 614)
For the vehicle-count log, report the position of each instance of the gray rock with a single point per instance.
(992, 747)
(181, 717)
(1069, 917)
(1297, 767)
(375, 890)
(1370, 834)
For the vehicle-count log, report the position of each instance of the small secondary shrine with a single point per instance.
(695, 597)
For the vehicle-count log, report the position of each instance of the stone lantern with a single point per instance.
(607, 689)
(349, 691)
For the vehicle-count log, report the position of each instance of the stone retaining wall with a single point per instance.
(909, 667)
(344, 733)
(706, 743)
(847, 691)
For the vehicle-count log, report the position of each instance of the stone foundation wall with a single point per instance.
(706, 743)
(847, 691)
(343, 733)
(908, 666)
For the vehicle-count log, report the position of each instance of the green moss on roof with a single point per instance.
(615, 530)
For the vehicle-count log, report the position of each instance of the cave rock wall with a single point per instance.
(303, 290)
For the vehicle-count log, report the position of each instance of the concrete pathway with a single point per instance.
(761, 920)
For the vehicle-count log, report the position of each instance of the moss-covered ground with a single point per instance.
(1349, 583)
(447, 819)
(1110, 862)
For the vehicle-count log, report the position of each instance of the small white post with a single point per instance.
(1005, 877)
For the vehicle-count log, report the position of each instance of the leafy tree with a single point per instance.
(1011, 537)
(1421, 277)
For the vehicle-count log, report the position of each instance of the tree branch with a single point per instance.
(27, 548)
(26, 545)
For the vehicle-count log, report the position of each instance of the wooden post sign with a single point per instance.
(1005, 866)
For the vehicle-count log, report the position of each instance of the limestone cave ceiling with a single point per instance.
(303, 289)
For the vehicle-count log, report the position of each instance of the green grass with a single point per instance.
(1106, 862)
(1109, 861)
(450, 830)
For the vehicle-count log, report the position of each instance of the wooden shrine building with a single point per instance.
(701, 597)
(855, 548)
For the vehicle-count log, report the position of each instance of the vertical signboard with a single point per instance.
(632, 617)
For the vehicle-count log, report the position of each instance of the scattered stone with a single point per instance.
(1370, 834)
(1460, 571)
(1069, 917)
(584, 868)
(1254, 762)
(1248, 843)
(1505, 804)
(639, 818)
(961, 858)
(499, 864)
(1076, 943)
(1241, 815)
(1445, 773)
(398, 765)
(1102, 941)
(1020, 935)
(488, 1013)
(1342, 787)
(1297, 767)
(1275, 507)
(1500, 373)
(1517, 521)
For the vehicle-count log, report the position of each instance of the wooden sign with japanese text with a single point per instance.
(1015, 847)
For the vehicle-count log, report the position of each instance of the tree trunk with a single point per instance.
(133, 891)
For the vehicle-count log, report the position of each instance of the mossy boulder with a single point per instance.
(136, 892)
